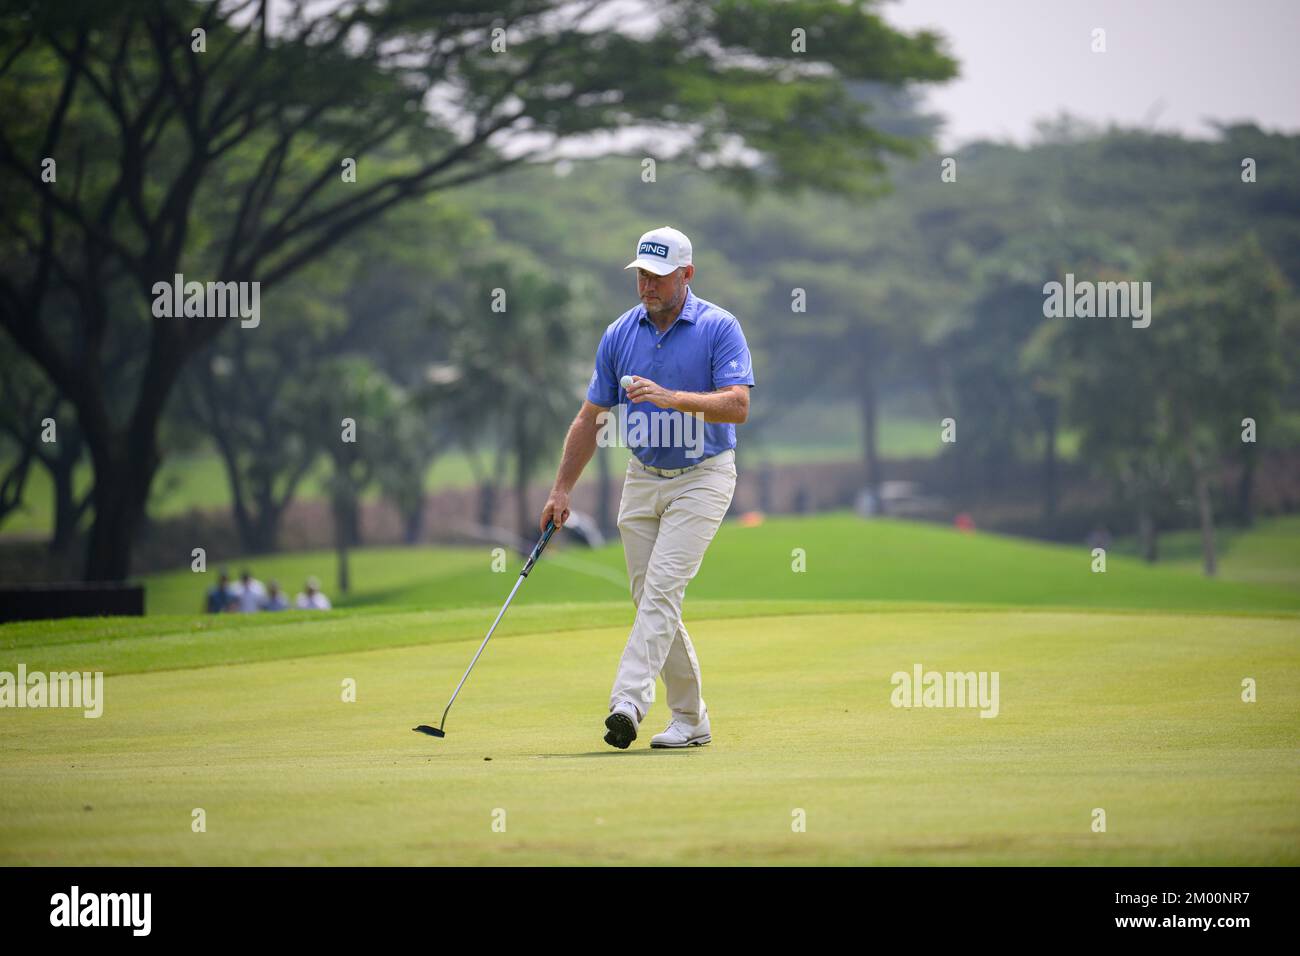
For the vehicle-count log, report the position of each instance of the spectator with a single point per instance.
(250, 594)
(220, 597)
(311, 599)
(275, 599)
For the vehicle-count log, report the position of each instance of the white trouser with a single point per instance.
(667, 524)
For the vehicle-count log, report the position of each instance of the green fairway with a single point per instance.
(1119, 691)
(845, 557)
(1138, 714)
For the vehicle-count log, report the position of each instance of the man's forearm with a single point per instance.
(726, 406)
(579, 446)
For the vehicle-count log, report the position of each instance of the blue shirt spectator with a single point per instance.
(219, 597)
(275, 599)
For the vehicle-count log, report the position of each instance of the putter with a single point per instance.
(528, 566)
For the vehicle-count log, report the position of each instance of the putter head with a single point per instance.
(431, 731)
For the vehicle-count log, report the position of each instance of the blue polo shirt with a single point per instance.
(703, 350)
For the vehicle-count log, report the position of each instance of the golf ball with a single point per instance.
(626, 381)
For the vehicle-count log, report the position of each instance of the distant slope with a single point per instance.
(846, 558)
(1268, 553)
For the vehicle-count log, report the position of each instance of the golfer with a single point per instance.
(680, 370)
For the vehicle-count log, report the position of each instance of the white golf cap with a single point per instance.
(662, 251)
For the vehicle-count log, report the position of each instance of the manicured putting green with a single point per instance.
(1139, 714)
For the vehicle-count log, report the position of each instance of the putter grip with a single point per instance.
(538, 548)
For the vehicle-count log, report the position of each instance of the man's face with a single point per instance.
(663, 294)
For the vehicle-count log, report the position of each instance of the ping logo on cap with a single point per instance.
(652, 249)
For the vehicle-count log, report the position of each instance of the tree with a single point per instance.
(252, 407)
(1160, 406)
(352, 409)
(513, 377)
(268, 113)
(1217, 354)
(413, 439)
(247, 391)
(27, 403)
(1110, 395)
(868, 313)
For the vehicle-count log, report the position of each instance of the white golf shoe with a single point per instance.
(681, 734)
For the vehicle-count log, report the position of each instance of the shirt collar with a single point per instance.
(687, 314)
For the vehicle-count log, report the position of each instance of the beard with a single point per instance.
(663, 306)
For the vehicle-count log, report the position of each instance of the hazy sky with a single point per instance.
(1168, 63)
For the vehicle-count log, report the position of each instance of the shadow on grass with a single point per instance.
(399, 596)
(623, 753)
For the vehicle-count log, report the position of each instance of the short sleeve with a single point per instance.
(731, 362)
(603, 388)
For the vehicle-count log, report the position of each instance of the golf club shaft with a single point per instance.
(528, 566)
(500, 614)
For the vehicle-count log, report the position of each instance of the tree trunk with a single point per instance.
(1147, 535)
(522, 517)
(265, 529)
(66, 511)
(1050, 422)
(1206, 513)
(489, 484)
(258, 527)
(1246, 485)
(1204, 508)
(14, 481)
(414, 523)
(62, 467)
(487, 503)
(126, 460)
(243, 519)
(345, 580)
(122, 482)
(264, 523)
(345, 500)
(870, 441)
(354, 522)
(342, 538)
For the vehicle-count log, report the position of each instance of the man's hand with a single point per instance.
(579, 446)
(644, 390)
(557, 510)
(729, 404)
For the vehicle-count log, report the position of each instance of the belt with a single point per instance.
(674, 472)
